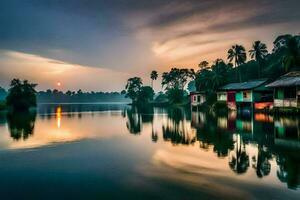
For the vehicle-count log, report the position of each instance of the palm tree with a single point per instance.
(237, 53)
(258, 52)
(292, 54)
(153, 77)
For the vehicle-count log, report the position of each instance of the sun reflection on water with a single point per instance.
(58, 116)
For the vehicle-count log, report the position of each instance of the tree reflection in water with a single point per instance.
(262, 163)
(21, 125)
(177, 129)
(288, 170)
(133, 123)
(210, 135)
(228, 136)
(137, 116)
(238, 158)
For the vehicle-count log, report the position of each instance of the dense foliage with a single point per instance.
(175, 82)
(285, 57)
(138, 93)
(22, 95)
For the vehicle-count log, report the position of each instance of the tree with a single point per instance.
(69, 93)
(203, 65)
(237, 55)
(175, 82)
(291, 56)
(203, 80)
(211, 80)
(153, 77)
(123, 92)
(177, 78)
(133, 88)
(22, 95)
(146, 94)
(258, 52)
(219, 74)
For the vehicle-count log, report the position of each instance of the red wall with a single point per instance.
(231, 96)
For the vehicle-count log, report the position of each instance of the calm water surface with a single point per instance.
(97, 151)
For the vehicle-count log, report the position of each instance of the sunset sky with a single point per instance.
(98, 44)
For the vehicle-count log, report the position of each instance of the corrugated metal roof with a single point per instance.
(244, 86)
(287, 80)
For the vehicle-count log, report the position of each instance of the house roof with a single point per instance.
(244, 86)
(287, 80)
(197, 92)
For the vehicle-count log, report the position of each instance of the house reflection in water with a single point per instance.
(274, 138)
(287, 128)
(251, 142)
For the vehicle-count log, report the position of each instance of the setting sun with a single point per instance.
(159, 99)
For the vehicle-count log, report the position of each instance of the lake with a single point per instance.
(114, 151)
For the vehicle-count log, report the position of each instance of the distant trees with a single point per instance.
(79, 96)
(258, 52)
(237, 55)
(153, 77)
(22, 95)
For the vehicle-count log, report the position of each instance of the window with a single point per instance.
(195, 98)
(246, 95)
(290, 93)
(279, 93)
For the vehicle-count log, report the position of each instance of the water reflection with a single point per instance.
(58, 116)
(249, 141)
(177, 128)
(239, 158)
(21, 125)
(245, 144)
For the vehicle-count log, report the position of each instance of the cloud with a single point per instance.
(47, 72)
(136, 36)
(205, 30)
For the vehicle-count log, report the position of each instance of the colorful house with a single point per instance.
(287, 90)
(246, 94)
(197, 98)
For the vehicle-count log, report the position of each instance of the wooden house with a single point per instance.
(246, 94)
(287, 90)
(197, 98)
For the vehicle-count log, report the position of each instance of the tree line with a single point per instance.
(50, 96)
(284, 57)
(22, 95)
